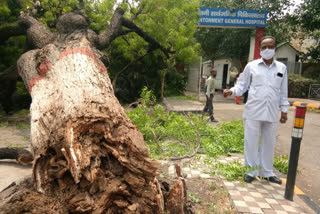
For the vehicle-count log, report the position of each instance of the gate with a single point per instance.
(314, 91)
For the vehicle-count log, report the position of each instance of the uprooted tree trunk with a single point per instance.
(88, 156)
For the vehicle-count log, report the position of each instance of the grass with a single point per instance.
(11, 145)
(231, 171)
(21, 125)
(26, 138)
(4, 124)
(22, 112)
(281, 163)
(194, 197)
(187, 97)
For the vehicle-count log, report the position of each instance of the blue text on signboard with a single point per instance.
(237, 18)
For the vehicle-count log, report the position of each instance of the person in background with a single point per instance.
(267, 82)
(210, 90)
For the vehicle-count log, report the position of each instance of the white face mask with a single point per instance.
(267, 53)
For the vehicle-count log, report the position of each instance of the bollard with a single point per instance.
(295, 149)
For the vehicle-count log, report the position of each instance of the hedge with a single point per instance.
(298, 86)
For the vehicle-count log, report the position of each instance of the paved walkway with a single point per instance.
(260, 196)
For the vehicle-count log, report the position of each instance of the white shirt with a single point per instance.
(210, 83)
(268, 90)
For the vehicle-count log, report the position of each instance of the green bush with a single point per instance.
(298, 86)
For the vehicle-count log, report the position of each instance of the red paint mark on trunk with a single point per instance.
(44, 67)
(42, 71)
(33, 82)
(84, 51)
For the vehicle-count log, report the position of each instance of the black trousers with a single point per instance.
(209, 106)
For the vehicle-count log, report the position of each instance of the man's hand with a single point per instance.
(284, 117)
(209, 98)
(227, 92)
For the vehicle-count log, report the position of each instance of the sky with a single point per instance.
(296, 3)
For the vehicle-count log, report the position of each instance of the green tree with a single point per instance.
(308, 19)
(173, 25)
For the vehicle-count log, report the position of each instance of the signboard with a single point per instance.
(221, 17)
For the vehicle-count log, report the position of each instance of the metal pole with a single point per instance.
(297, 133)
(292, 170)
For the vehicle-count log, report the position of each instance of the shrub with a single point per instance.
(298, 86)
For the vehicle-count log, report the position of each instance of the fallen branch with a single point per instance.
(156, 139)
(196, 149)
(22, 155)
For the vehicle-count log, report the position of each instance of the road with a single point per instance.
(309, 159)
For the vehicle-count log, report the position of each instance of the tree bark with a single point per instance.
(162, 83)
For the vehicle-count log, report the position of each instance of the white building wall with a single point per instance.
(193, 77)
(286, 52)
(251, 50)
(206, 69)
(218, 65)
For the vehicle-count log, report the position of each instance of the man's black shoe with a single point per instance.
(248, 178)
(274, 179)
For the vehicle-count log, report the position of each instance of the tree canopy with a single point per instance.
(307, 17)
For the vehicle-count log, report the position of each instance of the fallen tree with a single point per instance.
(88, 156)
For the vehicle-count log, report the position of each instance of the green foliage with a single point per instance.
(194, 197)
(2, 112)
(4, 124)
(99, 13)
(21, 89)
(54, 8)
(14, 145)
(186, 97)
(147, 97)
(172, 24)
(22, 125)
(281, 163)
(26, 138)
(298, 86)
(170, 134)
(4, 9)
(231, 171)
(308, 19)
(22, 112)
(226, 138)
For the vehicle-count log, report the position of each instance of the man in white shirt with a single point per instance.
(267, 81)
(210, 90)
